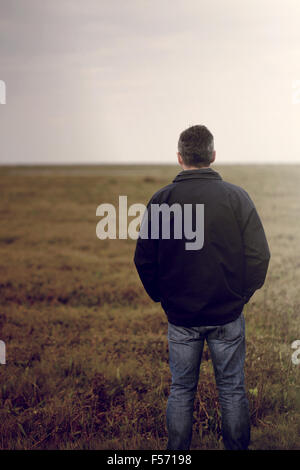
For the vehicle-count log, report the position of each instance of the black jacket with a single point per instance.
(210, 285)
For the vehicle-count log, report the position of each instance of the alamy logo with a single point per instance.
(296, 92)
(2, 92)
(2, 353)
(296, 354)
(158, 221)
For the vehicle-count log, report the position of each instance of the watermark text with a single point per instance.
(296, 354)
(2, 92)
(2, 352)
(158, 221)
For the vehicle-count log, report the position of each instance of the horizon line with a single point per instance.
(136, 163)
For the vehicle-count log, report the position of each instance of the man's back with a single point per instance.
(210, 285)
(203, 284)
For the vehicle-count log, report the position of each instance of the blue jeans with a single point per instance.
(227, 349)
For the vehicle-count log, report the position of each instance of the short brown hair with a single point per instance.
(196, 146)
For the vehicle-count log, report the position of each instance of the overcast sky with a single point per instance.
(118, 80)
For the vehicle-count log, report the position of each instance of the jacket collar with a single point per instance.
(201, 173)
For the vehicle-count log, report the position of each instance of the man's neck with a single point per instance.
(195, 167)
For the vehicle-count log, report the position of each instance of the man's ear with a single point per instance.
(180, 161)
(213, 157)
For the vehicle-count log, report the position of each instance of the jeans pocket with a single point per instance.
(180, 333)
(233, 330)
(174, 332)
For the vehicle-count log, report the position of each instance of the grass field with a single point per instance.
(87, 355)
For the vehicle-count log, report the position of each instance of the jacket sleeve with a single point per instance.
(256, 249)
(146, 258)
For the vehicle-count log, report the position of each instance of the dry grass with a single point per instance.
(87, 356)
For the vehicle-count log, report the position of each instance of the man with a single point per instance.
(203, 288)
